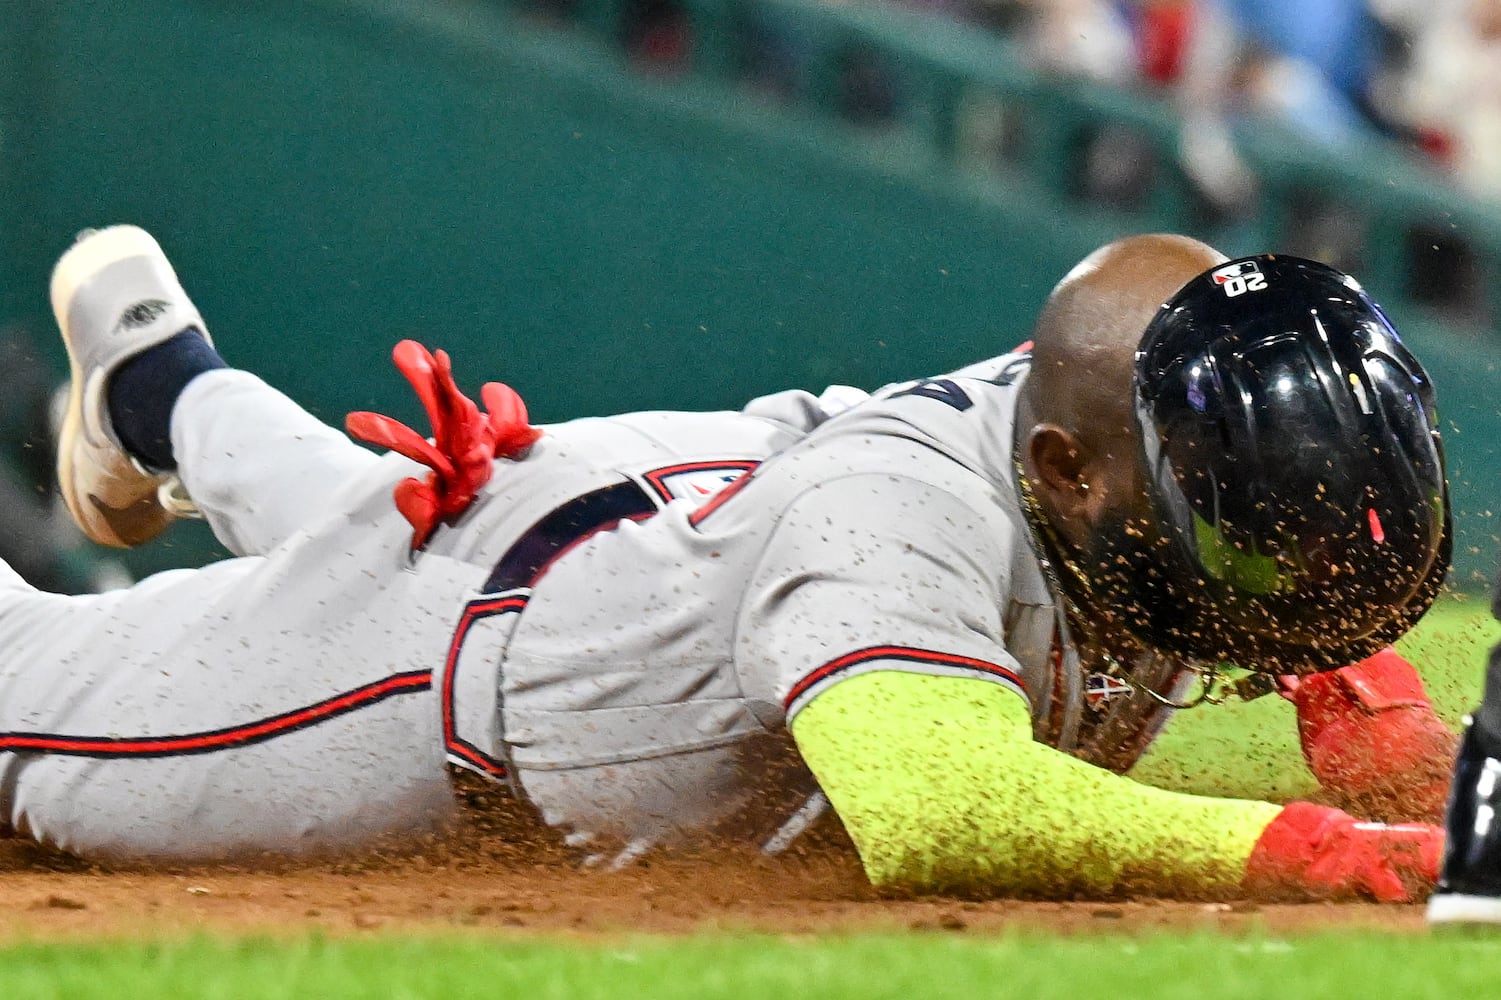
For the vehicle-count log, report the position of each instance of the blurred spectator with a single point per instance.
(1163, 30)
(1300, 61)
(1327, 48)
(1309, 65)
(1451, 91)
(1089, 38)
(1306, 63)
(1337, 72)
(1310, 62)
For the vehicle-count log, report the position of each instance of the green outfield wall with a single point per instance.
(804, 195)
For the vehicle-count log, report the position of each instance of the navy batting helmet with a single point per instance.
(1292, 454)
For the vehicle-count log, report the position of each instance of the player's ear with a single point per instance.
(1066, 479)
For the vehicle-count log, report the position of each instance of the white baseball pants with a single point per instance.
(278, 702)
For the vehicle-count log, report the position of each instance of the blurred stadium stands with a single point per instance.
(617, 204)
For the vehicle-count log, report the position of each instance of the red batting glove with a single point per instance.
(1316, 851)
(1371, 737)
(465, 441)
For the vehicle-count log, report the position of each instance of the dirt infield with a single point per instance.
(484, 877)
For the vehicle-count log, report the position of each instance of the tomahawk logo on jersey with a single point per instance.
(696, 480)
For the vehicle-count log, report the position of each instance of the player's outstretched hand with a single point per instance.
(1322, 853)
(465, 440)
(1371, 737)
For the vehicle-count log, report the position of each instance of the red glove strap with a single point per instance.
(1385, 680)
(465, 443)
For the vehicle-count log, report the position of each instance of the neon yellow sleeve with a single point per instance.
(942, 787)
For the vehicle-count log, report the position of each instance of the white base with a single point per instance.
(1454, 908)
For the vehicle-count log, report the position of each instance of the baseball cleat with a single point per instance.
(114, 294)
(1469, 883)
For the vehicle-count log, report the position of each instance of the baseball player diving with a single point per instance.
(955, 610)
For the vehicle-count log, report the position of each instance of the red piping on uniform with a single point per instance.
(473, 612)
(718, 499)
(220, 739)
(907, 653)
(657, 476)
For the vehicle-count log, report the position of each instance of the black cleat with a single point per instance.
(1469, 884)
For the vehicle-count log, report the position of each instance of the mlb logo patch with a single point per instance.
(1239, 269)
(1238, 278)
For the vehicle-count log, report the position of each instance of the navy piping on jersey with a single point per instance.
(907, 654)
(458, 746)
(220, 739)
(524, 561)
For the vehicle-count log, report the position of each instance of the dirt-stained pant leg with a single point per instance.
(276, 703)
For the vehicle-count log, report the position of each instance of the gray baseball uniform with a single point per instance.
(607, 627)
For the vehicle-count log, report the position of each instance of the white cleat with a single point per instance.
(114, 294)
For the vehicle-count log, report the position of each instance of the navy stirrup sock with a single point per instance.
(143, 390)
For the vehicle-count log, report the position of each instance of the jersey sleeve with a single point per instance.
(803, 411)
(878, 610)
(877, 572)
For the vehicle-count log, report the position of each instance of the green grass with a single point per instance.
(1450, 646)
(1250, 749)
(914, 965)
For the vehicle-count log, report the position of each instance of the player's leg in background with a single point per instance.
(259, 467)
(152, 401)
(277, 704)
(1469, 887)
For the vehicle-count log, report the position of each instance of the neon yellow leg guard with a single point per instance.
(942, 787)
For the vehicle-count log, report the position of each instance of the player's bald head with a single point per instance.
(1085, 339)
(1076, 432)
